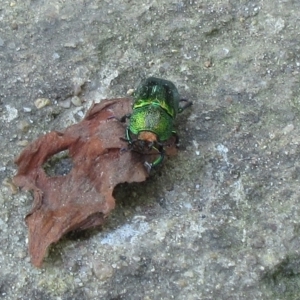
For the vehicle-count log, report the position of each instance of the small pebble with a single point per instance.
(102, 271)
(8, 183)
(65, 103)
(27, 109)
(182, 283)
(70, 45)
(136, 258)
(12, 113)
(23, 143)
(150, 63)
(208, 64)
(76, 101)
(23, 126)
(14, 26)
(80, 114)
(41, 102)
(55, 55)
(272, 135)
(189, 274)
(21, 254)
(130, 92)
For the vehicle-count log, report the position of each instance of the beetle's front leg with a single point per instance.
(128, 137)
(158, 161)
(128, 140)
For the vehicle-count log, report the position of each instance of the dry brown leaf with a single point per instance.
(82, 198)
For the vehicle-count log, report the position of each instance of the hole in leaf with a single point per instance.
(60, 164)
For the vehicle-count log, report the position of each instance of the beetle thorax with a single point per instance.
(147, 136)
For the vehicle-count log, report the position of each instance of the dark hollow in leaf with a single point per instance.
(82, 198)
(59, 164)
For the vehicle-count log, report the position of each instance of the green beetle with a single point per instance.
(155, 107)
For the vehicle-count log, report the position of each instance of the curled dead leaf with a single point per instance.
(82, 198)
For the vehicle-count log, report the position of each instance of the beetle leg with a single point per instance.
(123, 150)
(161, 157)
(128, 140)
(123, 119)
(128, 137)
(186, 105)
(158, 161)
(148, 166)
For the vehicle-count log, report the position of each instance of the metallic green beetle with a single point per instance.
(156, 104)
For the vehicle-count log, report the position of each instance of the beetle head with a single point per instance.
(145, 142)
